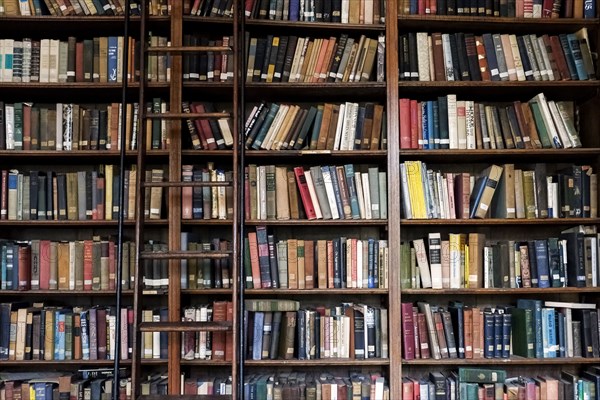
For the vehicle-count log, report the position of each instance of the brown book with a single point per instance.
(48, 336)
(101, 334)
(324, 130)
(468, 331)
(423, 336)
(477, 333)
(481, 56)
(63, 265)
(292, 195)
(309, 264)
(321, 251)
(344, 194)
(462, 194)
(530, 126)
(292, 254)
(551, 57)
(77, 355)
(218, 337)
(559, 58)
(377, 127)
(286, 337)
(368, 61)
(367, 128)
(438, 57)
(300, 277)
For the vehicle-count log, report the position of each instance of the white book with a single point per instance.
(517, 57)
(431, 63)
(345, 11)
(261, 192)
(540, 98)
(72, 257)
(423, 60)
(24, 7)
(313, 194)
(340, 126)
(435, 259)
(7, 76)
(443, 184)
(366, 194)
(452, 122)
(407, 207)
(448, 57)
(272, 132)
(300, 45)
(559, 125)
(359, 194)
(330, 192)
(450, 189)
(120, 49)
(461, 124)
(351, 136)
(455, 262)
(544, 53)
(9, 124)
(422, 262)
(470, 124)
(26, 68)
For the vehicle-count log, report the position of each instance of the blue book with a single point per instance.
(371, 264)
(488, 334)
(40, 390)
(560, 323)
(15, 266)
(375, 265)
(294, 10)
(536, 307)
(443, 122)
(543, 269)
(424, 126)
(265, 126)
(259, 320)
(3, 280)
(336, 191)
(589, 11)
(549, 332)
(506, 329)
(85, 342)
(436, 125)
(349, 172)
(498, 336)
(575, 48)
(490, 54)
(430, 132)
(113, 47)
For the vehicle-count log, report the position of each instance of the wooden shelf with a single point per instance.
(328, 222)
(214, 326)
(498, 291)
(326, 90)
(487, 155)
(313, 25)
(499, 362)
(313, 292)
(63, 293)
(206, 363)
(208, 20)
(206, 222)
(330, 362)
(64, 223)
(378, 155)
(207, 292)
(501, 221)
(487, 24)
(207, 153)
(185, 397)
(78, 19)
(71, 363)
(77, 85)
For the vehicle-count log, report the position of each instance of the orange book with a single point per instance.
(309, 264)
(468, 331)
(218, 338)
(330, 283)
(405, 133)
(254, 259)
(325, 44)
(322, 263)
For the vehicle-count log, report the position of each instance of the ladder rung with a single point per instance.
(212, 326)
(187, 115)
(187, 49)
(148, 255)
(186, 184)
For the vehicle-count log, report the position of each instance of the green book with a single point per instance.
(540, 125)
(524, 342)
(481, 375)
(18, 127)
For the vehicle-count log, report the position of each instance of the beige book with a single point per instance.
(508, 56)
(366, 68)
(312, 61)
(285, 127)
(295, 69)
(21, 327)
(475, 272)
(281, 192)
(321, 264)
(103, 59)
(354, 12)
(72, 199)
(49, 335)
(519, 194)
(358, 58)
(53, 60)
(529, 194)
(132, 193)
(155, 194)
(275, 127)
(423, 56)
(108, 191)
(350, 64)
(304, 60)
(292, 195)
(292, 255)
(63, 265)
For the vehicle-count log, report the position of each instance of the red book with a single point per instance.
(24, 267)
(87, 265)
(218, 338)
(547, 8)
(405, 136)
(101, 332)
(248, 6)
(253, 245)
(408, 331)
(229, 334)
(462, 195)
(330, 283)
(44, 264)
(304, 193)
(79, 76)
(423, 336)
(203, 126)
(416, 135)
(100, 198)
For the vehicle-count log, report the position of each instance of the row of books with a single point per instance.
(496, 57)
(322, 386)
(490, 8)
(209, 8)
(90, 60)
(204, 345)
(155, 344)
(329, 126)
(203, 385)
(532, 329)
(198, 273)
(72, 196)
(495, 384)
(72, 7)
(307, 264)
(38, 332)
(366, 12)
(94, 383)
(499, 191)
(469, 261)
(207, 133)
(206, 202)
(327, 192)
(448, 123)
(304, 59)
(209, 66)
(66, 266)
(355, 331)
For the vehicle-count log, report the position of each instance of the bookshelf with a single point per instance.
(238, 97)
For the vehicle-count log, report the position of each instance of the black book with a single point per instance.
(267, 58)
(186, 57)
(463, 60)
(41, 198)
(273, 262)
(456, 310)
(289, 58)
(318, 11)
(50, 206)
(490, 55)
(441, 7)
(336, 10)
(584, 317)
(203, 61)
(276, 330)
(360, 122)
(339, 51)
(359, 334)
(33, 194)
(327, 7)
(88, 60)
(455, 57)
(564, 42)
(404, 62)
(462, 7)
(516, 131)
(61, 187)
(575, 258)
(337, 268)
(280, 59)
(102, 129)
(412, 56)
(527, 67)
(449, 334)
(472, 58)
(301, 334)
(214, 126)
(451, 7)
(263, 9)
(308, 122)
(259, 61)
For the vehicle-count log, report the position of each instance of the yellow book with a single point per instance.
(108, 191)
